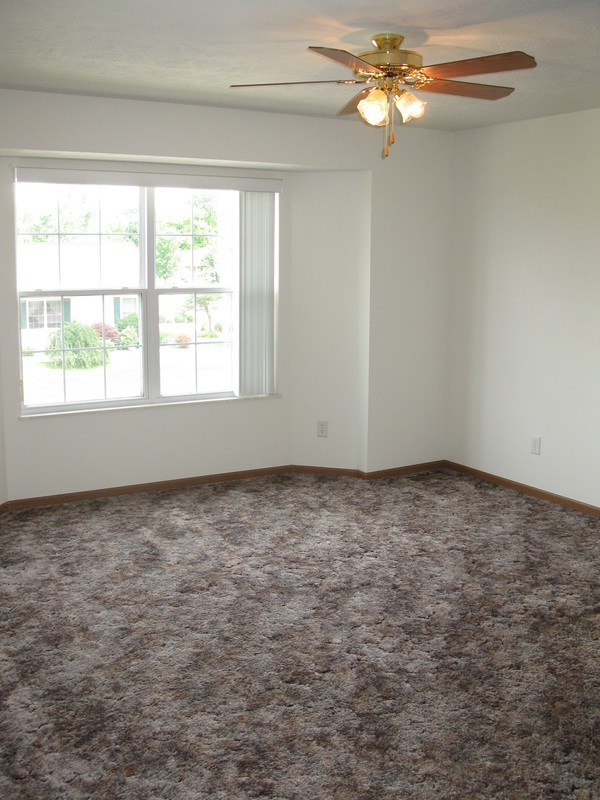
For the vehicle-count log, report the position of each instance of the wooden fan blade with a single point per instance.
(291, 83)
(352, 105)
(347, 60)
(481, 91)
(502, 62)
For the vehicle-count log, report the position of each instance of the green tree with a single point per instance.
(168, 256)
(204, 302)
(197, 230)
(82, 347)
(128, 232)
(38, 229)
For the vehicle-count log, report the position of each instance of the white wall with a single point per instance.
(324, 371)
(409, 317)
(3, 470)
(526, 303)
(6, 260)
(329, 287)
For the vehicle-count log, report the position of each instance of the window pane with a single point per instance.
(62, 224)
(53, 313)
(216, 238)
(124, 373)
(195, 343)
(83, 384)
(35, 314)
(208, 268)
(88, 356)
(42, 385)
(80, 262)
(213, 337)
(36, 207)
(177, 369)
(213, 367)
(37, 317)
(124, 313)
(129, 305)
(197, 237)
(120, 261)
(37, 240)
(213, 316)
(173, 210)
(78, 208)
(173, 261)
(119, 208)
(37, 262)
(176, 334)
(119, 223)
(64, 355)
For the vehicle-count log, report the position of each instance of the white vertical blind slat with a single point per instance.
(257, 293)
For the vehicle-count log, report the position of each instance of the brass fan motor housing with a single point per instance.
(390, 58)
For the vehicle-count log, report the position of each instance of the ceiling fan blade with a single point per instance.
(352, 105)
(347, 59)
(291, 83)
(501, 62)
(481, 91)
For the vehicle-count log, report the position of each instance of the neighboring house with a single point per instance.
(40, 317)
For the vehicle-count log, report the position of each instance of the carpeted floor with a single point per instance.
(301, 638)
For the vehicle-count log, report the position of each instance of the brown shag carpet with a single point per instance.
(302, 638)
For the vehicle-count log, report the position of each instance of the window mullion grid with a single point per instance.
(149, 293)
(101, 279)
(58, 235)
(196, 327)
(150, 298)
(62, 317)
(103, 340)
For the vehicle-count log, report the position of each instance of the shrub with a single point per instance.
(183, 339)
(129, 337)
(130, 321)
(111, 334)
(83, 348)
(28, 351)
(165, 337)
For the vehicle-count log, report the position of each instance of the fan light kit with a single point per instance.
(386, 70)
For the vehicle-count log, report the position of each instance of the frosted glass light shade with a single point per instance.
(409, 106)
(374, 108)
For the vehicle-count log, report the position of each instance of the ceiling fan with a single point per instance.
(386, 70)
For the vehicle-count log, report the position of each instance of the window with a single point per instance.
(138, 289)
(41, 313)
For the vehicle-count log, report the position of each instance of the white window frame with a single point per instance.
(256, 293)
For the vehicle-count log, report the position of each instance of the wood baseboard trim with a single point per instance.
(138, 488)
(185, 483)
(523, 488)
(398, 472)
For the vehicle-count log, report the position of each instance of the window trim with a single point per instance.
(147, 178)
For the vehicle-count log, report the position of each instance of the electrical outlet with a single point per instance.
(322, 428)
(536, 445)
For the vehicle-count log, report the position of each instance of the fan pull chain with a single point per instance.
(386, 150)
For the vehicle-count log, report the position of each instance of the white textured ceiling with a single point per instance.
(192, 50)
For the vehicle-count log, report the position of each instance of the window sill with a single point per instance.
(137, 406)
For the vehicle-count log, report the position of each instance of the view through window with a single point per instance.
(132, 294)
